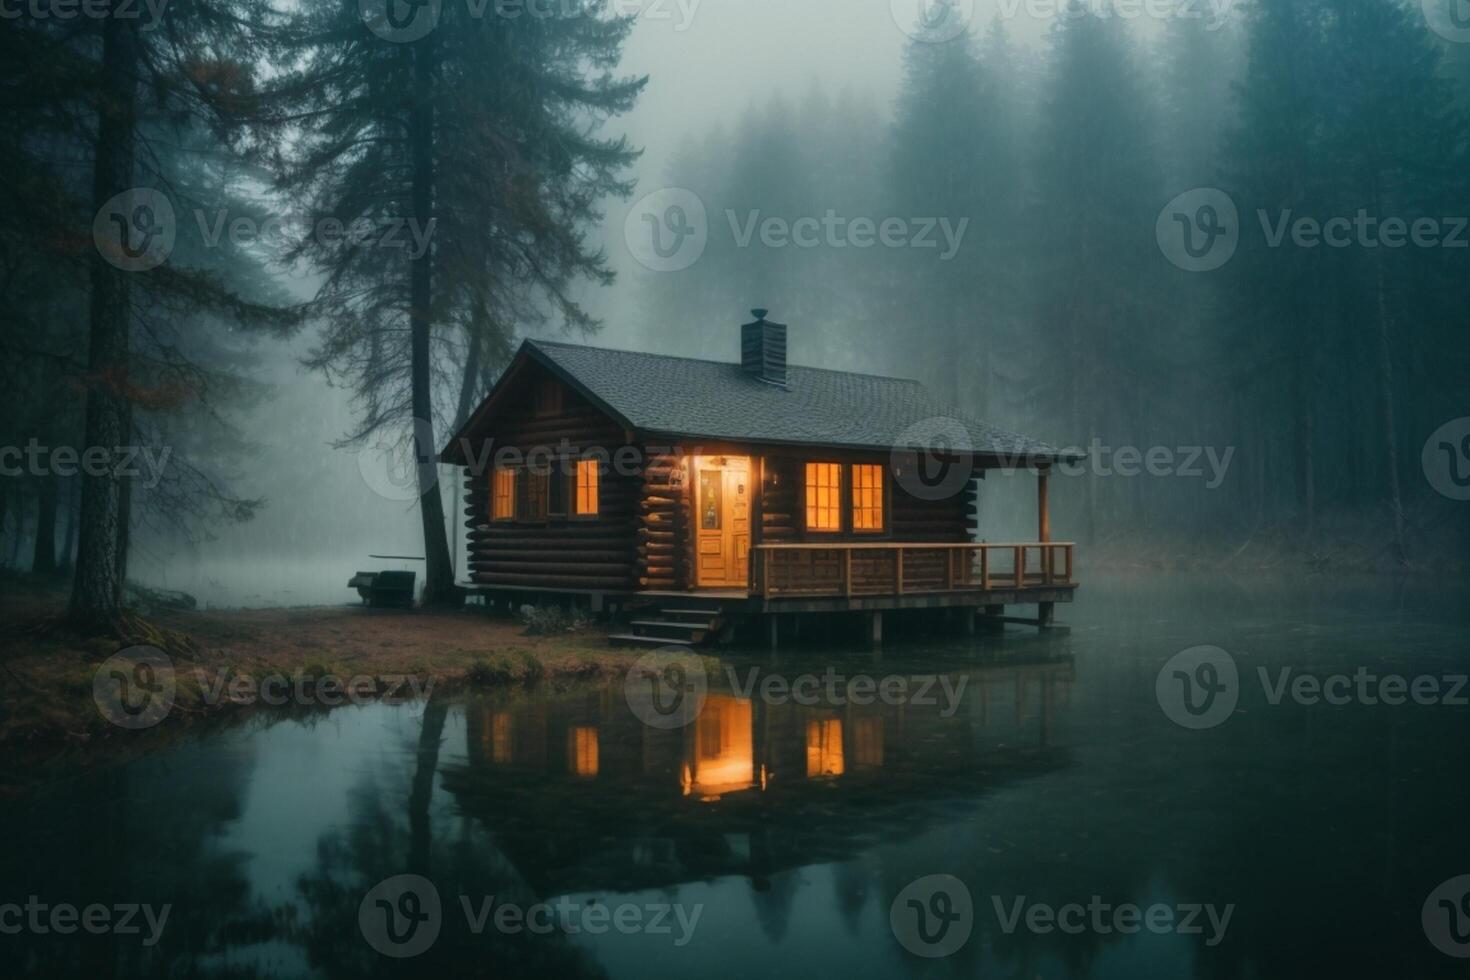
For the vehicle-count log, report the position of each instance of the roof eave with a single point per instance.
(452, 453)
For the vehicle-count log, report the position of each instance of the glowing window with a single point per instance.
(823, 497)
(503, 495)
(582, 750)
(588, 477)
(867, 497)
(824, 748)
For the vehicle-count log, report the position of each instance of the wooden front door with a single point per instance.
(722, 521)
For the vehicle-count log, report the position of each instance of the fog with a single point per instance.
(1294, 395)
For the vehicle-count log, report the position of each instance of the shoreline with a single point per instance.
(233, 662)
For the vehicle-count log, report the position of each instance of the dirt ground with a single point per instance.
(46, 672)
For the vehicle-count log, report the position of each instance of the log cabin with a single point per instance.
(691, 494)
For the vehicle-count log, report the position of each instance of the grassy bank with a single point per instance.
(46, 673)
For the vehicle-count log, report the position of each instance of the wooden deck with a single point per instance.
(879, 575)
(858, 577)
(857, 570)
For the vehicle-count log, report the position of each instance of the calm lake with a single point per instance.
(1083, 831)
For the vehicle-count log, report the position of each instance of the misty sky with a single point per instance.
(708, 62)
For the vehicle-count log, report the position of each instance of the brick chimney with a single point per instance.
(763, 349)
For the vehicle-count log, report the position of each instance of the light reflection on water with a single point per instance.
(794, 827)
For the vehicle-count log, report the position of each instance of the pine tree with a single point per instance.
(1096, 262)
(482, 134)
(119, 97)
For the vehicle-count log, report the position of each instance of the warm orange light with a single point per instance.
(723, 751)
(503, 495)
(582, 756)
(867, 497)
(823, 497)
(588, 478)
(824, 748)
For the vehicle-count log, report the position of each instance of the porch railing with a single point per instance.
(855, 568)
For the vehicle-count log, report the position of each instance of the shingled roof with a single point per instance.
(658, 395)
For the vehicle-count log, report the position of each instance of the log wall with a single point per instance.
(558, 552)
(665, 544)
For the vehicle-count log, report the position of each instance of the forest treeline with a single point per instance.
(187, 181)
(1320, 366)
(412, 184)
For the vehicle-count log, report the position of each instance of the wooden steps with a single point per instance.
(672, 623)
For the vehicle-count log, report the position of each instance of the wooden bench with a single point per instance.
(384, 588)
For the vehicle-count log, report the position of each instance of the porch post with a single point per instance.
(1043, 513)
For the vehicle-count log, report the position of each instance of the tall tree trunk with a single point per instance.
(97, 583)
(43, 560)
(421, 793)
(438, 571)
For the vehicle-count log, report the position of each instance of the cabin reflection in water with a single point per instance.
(721, 758)
(749, 787)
